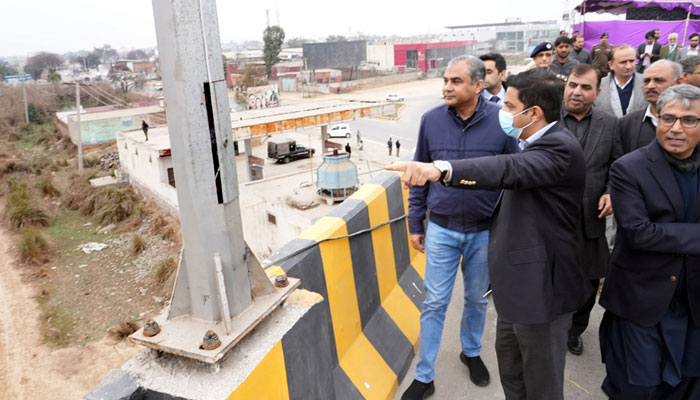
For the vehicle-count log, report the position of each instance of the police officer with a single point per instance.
(542, 56)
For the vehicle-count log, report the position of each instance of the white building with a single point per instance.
(149, 164)
(510, 36)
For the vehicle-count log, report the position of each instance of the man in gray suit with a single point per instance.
(535, 275)
(579, 53)
(596, 130)
(638, 128)
(621, 90)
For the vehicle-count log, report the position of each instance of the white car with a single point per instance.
(394, 97)
(339, 131)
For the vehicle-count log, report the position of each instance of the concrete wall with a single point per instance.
(263, 236)
(380, 55)
(334, 54)
(97, 131)
(146, 169)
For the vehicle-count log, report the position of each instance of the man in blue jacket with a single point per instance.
(466, 126)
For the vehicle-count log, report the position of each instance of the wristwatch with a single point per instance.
(444, 168)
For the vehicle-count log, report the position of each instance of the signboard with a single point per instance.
(12, 79)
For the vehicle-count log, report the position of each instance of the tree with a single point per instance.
(42, 61)
(297, 42)
(6, 70)
(252, 75)
(273, 37)
(54, 77)
(336, 38)
(137, 55)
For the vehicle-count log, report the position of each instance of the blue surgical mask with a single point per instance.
(506, 120)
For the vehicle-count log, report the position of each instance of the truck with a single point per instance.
(286, 150)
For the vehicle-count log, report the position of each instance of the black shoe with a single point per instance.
(575, 345)
(477, 370)
(418, 390)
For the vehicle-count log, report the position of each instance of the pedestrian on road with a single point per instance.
(359, 139)
(361, 146)
(348, 149)
(390, 144)
(144, 126)
(398, 147)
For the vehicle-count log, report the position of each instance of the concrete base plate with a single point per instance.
(183, 335)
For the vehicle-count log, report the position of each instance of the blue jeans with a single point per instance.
(443, 249)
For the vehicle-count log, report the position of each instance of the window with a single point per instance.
(171, 177)
(271, 219)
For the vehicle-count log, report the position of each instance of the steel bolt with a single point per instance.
(151, 328)
(281, 281)
(211, 340)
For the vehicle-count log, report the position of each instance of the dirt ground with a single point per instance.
(30, 369)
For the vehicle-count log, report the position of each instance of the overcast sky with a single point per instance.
(29, 26)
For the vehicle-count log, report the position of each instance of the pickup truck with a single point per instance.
(287, 150)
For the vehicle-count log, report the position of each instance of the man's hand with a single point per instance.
(417, 242)
(415, 173)
(605, 205)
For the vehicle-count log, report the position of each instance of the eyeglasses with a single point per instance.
(687, 121)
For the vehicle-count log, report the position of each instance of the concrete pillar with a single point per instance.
(248, 152)
(324, 138)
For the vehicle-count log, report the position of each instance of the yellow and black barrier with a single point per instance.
(359, 341)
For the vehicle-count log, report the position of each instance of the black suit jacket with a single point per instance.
(601, 148)
(635, 131)
(656, 51)
(652, 243)
(533, 249)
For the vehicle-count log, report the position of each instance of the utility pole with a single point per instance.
(221, 290)
(26, 109)
(80, 136)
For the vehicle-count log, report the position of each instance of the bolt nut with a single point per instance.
(211, 341)
(151, 328)
(281, 281)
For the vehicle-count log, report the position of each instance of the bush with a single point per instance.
(33, 247)
(21, 211)
(164, 269)
(80, 190)
(109, 205)
(35, 116)
(137, 244)
(89, 162)
(122, 330)
(45, 185)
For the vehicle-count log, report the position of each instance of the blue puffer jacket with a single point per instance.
(444, 135)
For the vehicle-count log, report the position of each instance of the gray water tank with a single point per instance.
(336, 177)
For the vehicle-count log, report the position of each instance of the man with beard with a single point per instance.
(495, 74)
(671, 50)
(596, 130)
(638, 128)
(621, 91)
(648, 52)
(579, 53)
(692, 49)
(562, 63)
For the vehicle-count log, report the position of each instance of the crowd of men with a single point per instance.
(516, 176)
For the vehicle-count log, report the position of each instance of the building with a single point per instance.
(395, 56)
(102, 125)
(149, 165)
(510, 36)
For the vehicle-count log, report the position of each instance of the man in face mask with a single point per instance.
(465, 126)
(535, 275)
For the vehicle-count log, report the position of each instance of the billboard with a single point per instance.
(262, 97)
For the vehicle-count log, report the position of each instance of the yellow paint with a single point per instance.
(275, 270)
(367, 370)
(418, 262)
(394, 300)
(361, 362)
(267, 381)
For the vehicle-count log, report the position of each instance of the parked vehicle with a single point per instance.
(339, 130)
(286, 150)
(394, 97)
